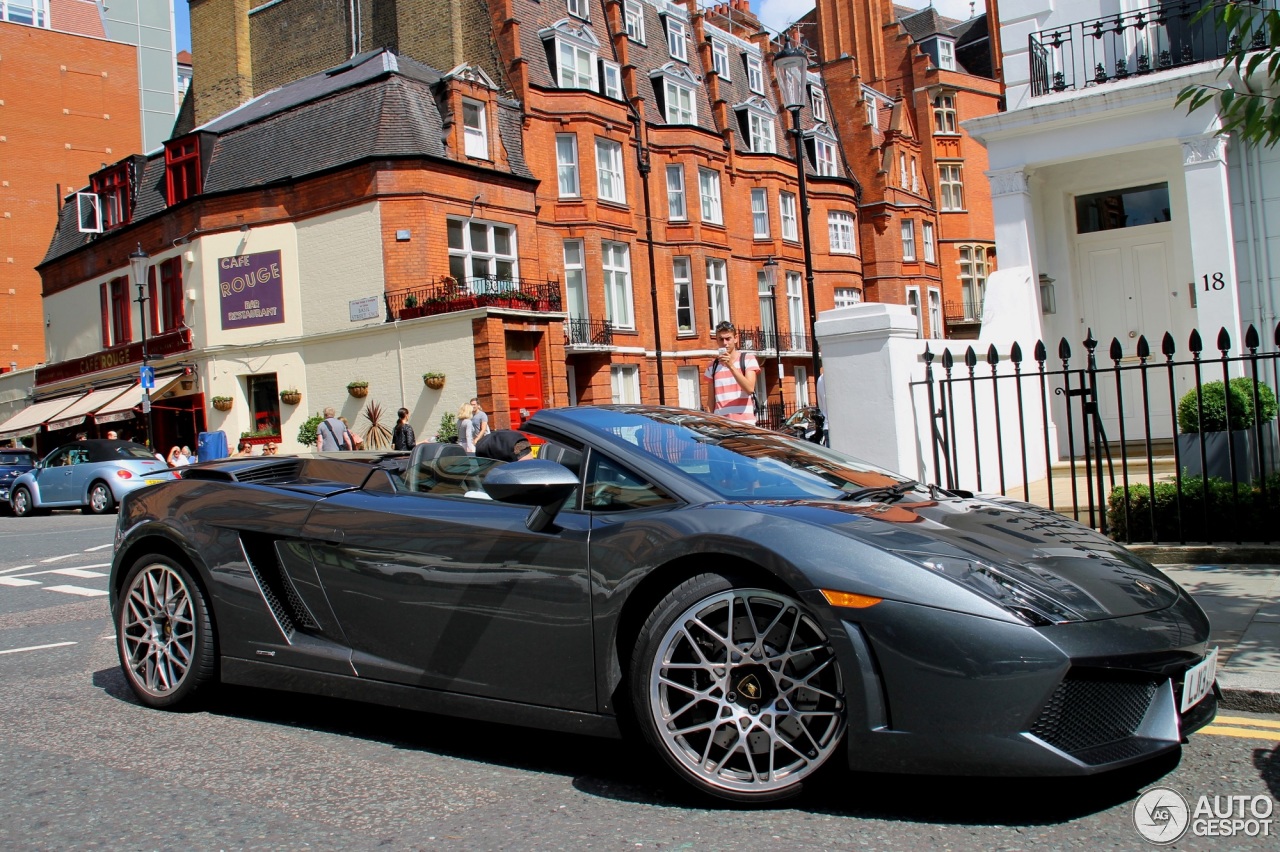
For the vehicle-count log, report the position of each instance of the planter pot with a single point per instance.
(291, 398)
(434, 382)
(359, 393)
(413, 312)
(1220, 446)
(222, 404)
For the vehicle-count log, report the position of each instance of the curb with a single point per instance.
(1249, 700)
(1207, 554)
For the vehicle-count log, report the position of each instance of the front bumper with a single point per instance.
(943, 692)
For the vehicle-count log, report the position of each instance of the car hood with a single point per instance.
(1063, 560)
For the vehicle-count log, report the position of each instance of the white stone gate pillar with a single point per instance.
(1204, 170)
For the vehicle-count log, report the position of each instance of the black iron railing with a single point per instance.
(766, 340)
(1127, 44)
(773, 414)
(962, 311)
(1117, 429)
(588, 333)
(448, 294)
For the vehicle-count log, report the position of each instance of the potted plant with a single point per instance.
(307, 431)
(358, 389)
(1205, 424)
(292, 396)
(222, 403)
(447, 433)
(435, 381)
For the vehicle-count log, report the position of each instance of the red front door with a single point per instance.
(524, 386)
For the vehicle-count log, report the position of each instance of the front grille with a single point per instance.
(1092, 709)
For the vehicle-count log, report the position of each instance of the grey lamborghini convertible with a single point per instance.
(755, 605)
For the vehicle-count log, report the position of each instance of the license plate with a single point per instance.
(152, 481)
(1199, 680)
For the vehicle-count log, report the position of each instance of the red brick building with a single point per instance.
(913, 76)
(69, 102)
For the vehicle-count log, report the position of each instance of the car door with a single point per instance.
(54, 478)
(455, 593)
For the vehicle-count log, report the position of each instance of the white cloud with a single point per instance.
(777, 14)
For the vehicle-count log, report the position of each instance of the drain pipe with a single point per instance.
(642, 153)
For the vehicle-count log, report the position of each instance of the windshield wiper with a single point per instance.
(887, 493)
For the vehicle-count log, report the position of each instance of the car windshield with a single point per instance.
(743, 462)
(15, 458)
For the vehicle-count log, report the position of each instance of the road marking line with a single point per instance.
(57, 558)
(18, 581)
(1240, 732)
(99, 547)
(37, 648)
(77, 572)
(1255, 723)
(19, 568)
(76, 590)
(68, 571)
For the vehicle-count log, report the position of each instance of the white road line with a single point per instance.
(18, 581)
(17, 568)
(37, 648)
(99, 547)
(78, 573)
(57, 558)
(76, 590)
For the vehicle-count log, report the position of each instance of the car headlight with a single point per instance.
(1003, 588)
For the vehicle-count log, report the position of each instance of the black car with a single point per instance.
(14, 461)
(755, 604)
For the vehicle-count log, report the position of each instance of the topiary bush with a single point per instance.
(1214, 402)
(307, 431)
(1210, 511)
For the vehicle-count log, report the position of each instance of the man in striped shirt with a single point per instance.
(733, 377)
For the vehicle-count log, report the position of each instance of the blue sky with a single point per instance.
(774, 14)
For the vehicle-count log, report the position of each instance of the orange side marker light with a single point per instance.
(849, 599)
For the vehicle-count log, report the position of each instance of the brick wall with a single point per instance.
(68, 104)
(222, 71)
(294, 38)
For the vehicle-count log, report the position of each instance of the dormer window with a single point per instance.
(817, 102)
(634, 15)
(755, 74)
(720, 58)
(678, 90)
(676, 44)
(114, 188)
(579, 8)
(822, 151)
(573, 51)
(946, 54)
(182, 169)
(475, 129)
(755, 118)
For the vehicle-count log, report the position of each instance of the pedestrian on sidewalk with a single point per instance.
(402, 437)
(331, 433)
(733, 377)
(479, 421)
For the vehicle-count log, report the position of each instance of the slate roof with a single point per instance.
(385, 106)
(972, 53)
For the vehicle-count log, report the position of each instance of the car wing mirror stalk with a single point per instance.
(544, 485)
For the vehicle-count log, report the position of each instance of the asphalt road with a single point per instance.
(82, 765)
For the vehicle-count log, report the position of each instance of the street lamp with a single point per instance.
(791, 65)
(770, 273)
(139, 261)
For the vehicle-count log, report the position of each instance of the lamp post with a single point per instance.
(790, 65)
(139, 261)
(770, 272)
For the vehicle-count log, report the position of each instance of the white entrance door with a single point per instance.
(1130, 287)
(687, 382)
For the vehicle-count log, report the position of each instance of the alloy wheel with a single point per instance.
(21, 502)
(157, 630)
(99, 498)
(745, 692)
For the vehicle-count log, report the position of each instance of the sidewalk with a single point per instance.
(1243, 605)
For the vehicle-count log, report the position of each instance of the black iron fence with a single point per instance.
(953, 311)
(1127, 44)
(447, 294)
(1179, 445)
(773, 414)
(586, 333)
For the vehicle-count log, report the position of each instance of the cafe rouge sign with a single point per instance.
(251, 289)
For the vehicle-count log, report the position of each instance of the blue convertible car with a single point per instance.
(93, 475)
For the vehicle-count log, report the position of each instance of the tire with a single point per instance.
(695, 705)
(164, 634)
(101, 500)
(21, 503)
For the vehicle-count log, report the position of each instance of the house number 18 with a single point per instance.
(1213, 282)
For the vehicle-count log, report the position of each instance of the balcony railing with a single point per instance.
(767, 340)
(448, 294)
(1128, 44)
(588, 333)
(956, 312)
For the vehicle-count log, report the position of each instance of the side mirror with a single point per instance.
(544, 485)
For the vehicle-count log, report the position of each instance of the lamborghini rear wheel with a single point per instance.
(738, 688)
(164, 633)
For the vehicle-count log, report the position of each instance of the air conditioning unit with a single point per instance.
(89, 212)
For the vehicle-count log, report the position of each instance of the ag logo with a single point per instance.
(749, 687)
(1161, 815)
